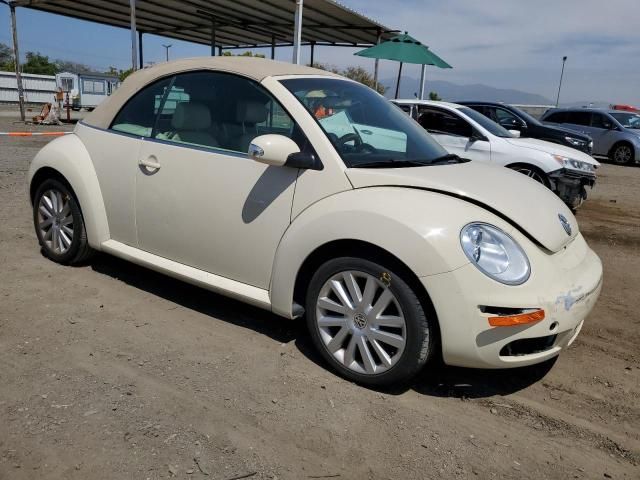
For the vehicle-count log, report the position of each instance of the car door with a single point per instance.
(114, 153)
(200, 200)
(579, 121)
(603, 133)
(454, 133)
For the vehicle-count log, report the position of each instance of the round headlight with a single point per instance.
(495, 253)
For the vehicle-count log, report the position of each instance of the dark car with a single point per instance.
(513, 118)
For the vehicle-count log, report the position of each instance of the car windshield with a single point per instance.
(628, 120)
(531, 120)
(492, 127)
(366, 130)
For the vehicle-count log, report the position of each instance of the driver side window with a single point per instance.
(439, 121)
(221, 111)
(506, 118)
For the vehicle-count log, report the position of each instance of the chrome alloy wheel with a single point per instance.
(533, 174)
(360, 322)
(622, 154)
(55, 221)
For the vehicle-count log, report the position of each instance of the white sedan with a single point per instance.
(469, 134)
(310, 195)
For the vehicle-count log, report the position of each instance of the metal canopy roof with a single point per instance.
(238, 23)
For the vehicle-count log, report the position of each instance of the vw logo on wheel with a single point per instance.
(565, 224)
(360, 320)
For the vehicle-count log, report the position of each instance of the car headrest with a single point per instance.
(191, 116)
(250, 111)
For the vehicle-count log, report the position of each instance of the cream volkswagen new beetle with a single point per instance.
(305, 193)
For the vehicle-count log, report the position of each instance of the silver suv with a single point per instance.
(616, 134)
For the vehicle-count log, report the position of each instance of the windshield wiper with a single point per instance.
(391, 163)
(448, 159)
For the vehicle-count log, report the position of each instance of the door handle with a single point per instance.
(150, 162)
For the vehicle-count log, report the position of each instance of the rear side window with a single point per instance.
(557, 117)
(138, 115)
(598, 120)
(579, 118)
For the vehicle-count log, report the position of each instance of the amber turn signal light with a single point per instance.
(518, 319)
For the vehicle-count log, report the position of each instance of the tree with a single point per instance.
(6, 58)
(434, 96)
(227, 53)
(125, 73)
(358, 74)
(361, 75)
(39, 64)
(67, 66)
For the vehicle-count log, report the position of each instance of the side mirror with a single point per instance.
(608, 125)
(476, 137)
(515, 133)
(272, 149)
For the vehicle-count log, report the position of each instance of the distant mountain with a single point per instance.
(451, 91)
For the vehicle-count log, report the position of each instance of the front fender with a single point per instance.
(545, 164)
(68, 156)
(420, 228)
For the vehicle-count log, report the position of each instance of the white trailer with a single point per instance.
(37, 88)
(86, 90)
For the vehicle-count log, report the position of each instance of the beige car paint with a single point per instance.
(115, 163)
(222, 213)
(70, 158)
(489, 184)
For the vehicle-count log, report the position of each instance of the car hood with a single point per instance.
(553, 149)
(524, 203)
(567, 131)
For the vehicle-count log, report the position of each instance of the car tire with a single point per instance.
(621, 154)
(533, 173)
(59, 223)
(368, 343)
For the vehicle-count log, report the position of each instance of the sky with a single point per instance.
(515, 44)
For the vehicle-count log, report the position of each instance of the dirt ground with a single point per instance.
(113, 371)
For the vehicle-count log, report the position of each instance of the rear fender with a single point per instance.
(68, 156)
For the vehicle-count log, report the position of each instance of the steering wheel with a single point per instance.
(359, 145)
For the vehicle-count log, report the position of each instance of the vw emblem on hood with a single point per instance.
(565, 224)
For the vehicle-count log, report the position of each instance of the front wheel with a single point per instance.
(622, 154)
(59, 223)
(367, 323)
(533, 173)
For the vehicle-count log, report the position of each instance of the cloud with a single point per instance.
(520, 44)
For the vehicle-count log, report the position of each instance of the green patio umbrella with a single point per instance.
(404, 49)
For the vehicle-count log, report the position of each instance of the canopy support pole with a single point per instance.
(273, 47)
(423, 79)
(313, 44)
(297, 32)
(398, 82)
(140, 49)
(375, 64)
(16, 56)
(213, 37)
(134, 47)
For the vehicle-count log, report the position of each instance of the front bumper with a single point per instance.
(566, 285)
(570, 185)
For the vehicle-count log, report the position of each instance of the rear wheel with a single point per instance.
(621, 154)
(367, 323)
(59, 223)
